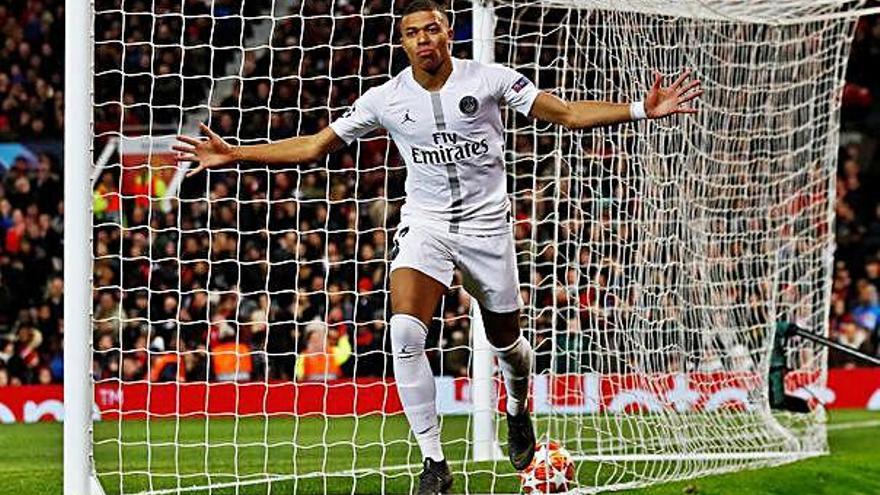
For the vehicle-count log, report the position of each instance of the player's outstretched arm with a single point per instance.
(660, 102)
(215, 152)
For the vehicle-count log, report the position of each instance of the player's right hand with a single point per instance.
(209, 153)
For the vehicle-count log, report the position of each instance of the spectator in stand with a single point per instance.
(324, 354)
(867, 312)
(570, 350)
(31, 38)
(46, 186)
(106, 360)
(134, 362)
(231, 359)
(872, 271)
(311, 242)
(26, 360)
(44, 376)
(7, 358)
(167, 364)
(106, 200)
(853, 335)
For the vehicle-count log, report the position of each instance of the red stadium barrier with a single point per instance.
(341, 397)
(856, 388)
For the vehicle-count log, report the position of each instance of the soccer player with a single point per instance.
(443, 114)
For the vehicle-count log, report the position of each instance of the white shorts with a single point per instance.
(487, 263)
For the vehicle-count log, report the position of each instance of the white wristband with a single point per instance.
(637, 110)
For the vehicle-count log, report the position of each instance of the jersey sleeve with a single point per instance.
(515, 89)
(361, 118)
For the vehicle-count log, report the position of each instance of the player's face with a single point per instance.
(425, 37)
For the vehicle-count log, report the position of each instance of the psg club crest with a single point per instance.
(468, 105)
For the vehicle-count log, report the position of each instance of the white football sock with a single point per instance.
(515, 362)
(415, 382)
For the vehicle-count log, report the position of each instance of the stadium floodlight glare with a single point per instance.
(655, 257)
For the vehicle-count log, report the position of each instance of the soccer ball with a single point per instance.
(551, 471)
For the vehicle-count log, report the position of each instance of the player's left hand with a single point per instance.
(673, 99)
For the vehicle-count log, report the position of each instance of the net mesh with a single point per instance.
(239, 318)
(660, 255)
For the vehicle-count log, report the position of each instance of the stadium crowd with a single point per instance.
(31, 55)
(251, 275)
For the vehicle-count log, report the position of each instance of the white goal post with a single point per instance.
(655, 258)
(79, 477)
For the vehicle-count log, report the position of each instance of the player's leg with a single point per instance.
(420, 272)
(514, 354)
(415, 294)
(488, 265)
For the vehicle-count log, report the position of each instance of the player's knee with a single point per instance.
(502, 329)
(503, 339)
(411, 310)
(408, 335)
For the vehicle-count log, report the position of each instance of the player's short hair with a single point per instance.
(423, 6)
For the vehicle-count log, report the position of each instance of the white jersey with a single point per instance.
(451, 140)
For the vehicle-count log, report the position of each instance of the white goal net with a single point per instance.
(239, 316)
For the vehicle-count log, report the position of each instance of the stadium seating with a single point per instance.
(31, 231)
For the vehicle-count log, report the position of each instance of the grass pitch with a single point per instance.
(170, 456)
